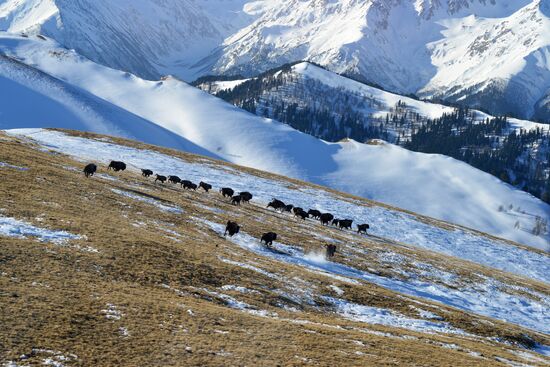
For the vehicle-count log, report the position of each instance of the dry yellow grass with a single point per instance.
(161, 289)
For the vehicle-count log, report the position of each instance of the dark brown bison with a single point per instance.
(90, 169)
(117, 166)
(301, 214)
(146, 172)
(174, 179)
(362, 228)
(232, 228)
(325, 218)
(236, 200)
(276, 204)
(160, 178)
(330, 250)
(206, 187)
(227, 192)
(188, 185)
(245, 196)
(314, 213)
(345, 223)
(268, 238)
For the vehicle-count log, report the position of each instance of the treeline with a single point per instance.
(520, 158)
(306, 105)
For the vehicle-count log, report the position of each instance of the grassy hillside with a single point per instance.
(148, 278)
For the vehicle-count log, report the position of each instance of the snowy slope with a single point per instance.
(31, 98)
(149, 38)
(487, 297)
(486, 53)
(382, 172)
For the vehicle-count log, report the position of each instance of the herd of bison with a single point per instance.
(233, 228)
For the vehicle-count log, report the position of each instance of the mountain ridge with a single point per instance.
(479, 53)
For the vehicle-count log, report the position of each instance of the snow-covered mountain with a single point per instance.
(209, 126)
(484, 53)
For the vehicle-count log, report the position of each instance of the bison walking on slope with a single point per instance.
(232, 228)
(146, 172)
(90, 169)
(299, 212)
(314, 213)
(268, 238)
(117, 166)
(245, 196)
(362, 228)
(174, 179)
(276, 204)
(160, 178)
(188, 185)
(236, 200)
(326, 218)
(330, 250)
(206, 187)
(345, 223)
(227, 192)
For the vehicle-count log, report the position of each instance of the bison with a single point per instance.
(288, 208)
(236, 200)
(117, 166)
(174, 179)
(297, 209)
(330, 250)
(227, 192)
(276, 204)
(188, 185)
(160, 178)
(90, 169)
(326, 218)
(268, 238)
(232, 228)
(314, 213)
(206, 187)
(146, 172)
(345, 223)
(335, 222)
(302, 214)
(362, 228)
(245, 196)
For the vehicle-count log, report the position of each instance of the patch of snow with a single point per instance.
(339, 291)
(112, 312)
(7, 165)
(381, 316)
(238, 288)
(11, 227)
(250, 267)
